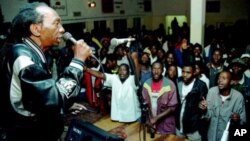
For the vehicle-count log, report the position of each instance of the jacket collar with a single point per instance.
(30, 43)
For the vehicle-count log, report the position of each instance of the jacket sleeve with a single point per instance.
(41, 93)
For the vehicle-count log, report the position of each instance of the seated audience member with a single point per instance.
(160, 95)
(223, 104)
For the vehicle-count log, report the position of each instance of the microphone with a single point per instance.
(68, 37)
(116, 42)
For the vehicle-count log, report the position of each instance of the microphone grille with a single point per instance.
(114, 42)
(66, 36)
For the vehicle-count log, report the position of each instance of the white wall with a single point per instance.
(231, 10)
(170, 7)
(10, 8)
(131, 8)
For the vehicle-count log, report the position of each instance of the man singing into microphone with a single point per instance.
(32, 102)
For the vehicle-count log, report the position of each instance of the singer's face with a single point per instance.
(51, 29)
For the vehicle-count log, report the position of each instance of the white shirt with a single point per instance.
(125, 105)
(224, 98)
(124, 60)
(154, 97)
(204, 79)
(152, 59)
(185, 90)
(247, 73)
(179, 71)
(165, 46)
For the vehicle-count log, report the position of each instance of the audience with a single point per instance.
(210, 63)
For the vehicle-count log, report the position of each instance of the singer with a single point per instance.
(32, 102)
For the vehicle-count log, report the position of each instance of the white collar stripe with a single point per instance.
(37, 49)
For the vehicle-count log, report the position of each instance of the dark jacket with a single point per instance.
(244, 89)
(32, 102)
(192, 113)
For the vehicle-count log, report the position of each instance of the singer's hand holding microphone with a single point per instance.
(81, 50)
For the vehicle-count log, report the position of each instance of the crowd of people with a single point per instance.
(190, 90)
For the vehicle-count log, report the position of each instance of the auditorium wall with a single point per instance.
(77, 11)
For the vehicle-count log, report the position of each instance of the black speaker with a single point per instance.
(86, 131)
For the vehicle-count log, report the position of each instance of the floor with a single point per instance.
(98, 117)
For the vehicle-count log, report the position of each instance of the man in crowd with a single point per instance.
(223, 104)
(191, 92)
(241, 83)
(160, 95)
(32, 102)
(125, 106)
